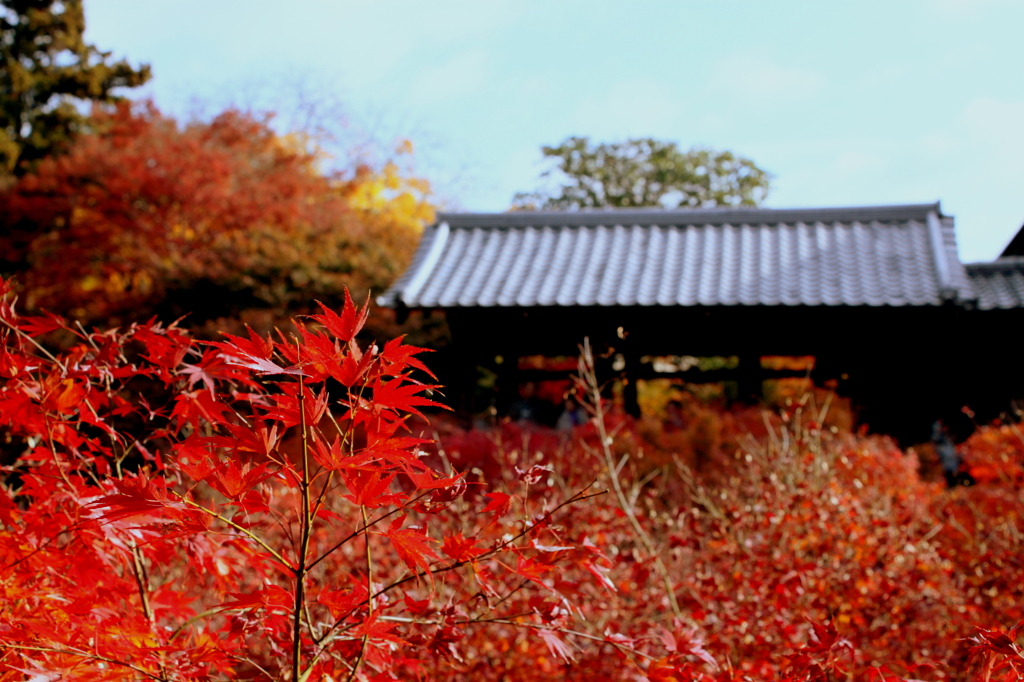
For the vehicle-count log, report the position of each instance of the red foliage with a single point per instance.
(806, 553)
(185, 511)
(260, 508)
(995, 454)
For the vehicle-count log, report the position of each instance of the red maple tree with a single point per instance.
(253, 508)
(271, 508)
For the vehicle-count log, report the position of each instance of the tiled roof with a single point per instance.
(1016, 245)
(999, 284)
(874, 256)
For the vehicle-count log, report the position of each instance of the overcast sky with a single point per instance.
(852, 103)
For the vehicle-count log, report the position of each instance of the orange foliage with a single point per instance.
(995, 454)
(212, 219)
(791, 525)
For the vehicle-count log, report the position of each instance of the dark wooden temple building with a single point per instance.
(877, 295)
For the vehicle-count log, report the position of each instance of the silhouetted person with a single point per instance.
(948, 456)
(572, 415)
(674, 419)
(528, 408)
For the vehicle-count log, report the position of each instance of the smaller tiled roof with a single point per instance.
(863, 256)
(1016, 245)
(999, 284)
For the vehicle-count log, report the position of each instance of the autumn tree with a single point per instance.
(218, 219)
(644, 172)
(262, 513)
(47, 72)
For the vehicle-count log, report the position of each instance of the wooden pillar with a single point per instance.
(630, 402)
(508, 378)
(749, 379)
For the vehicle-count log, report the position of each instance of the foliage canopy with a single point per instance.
(644, 172)
(218, 219)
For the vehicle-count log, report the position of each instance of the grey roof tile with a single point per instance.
(999, 284)
(873, 256)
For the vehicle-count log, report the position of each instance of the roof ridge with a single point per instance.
(1003, 262)
(687, 216)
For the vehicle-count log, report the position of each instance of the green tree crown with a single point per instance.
(645, 172)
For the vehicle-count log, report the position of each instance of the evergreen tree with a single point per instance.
(47, 72)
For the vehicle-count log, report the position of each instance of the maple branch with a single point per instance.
(245, 531)
(42, 546)
(193, 619)
(588, 381)
(566, 631)
(366, 526)
(577, 497)
(337, 427)
(35, 343)
(369, 604)
(305, 522)
(509, 595)
(53, 450)
(319, 503)
(507, 620)
(86, 654)
(84, 335)
(142, 580)
(258, 667)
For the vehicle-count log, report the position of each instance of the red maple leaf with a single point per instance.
(329, 456)
(137, 494)
(255, 346)
(399, 396)
(194, 458)
(233, 481)
(342, 601)
(37, 326)
(460, 548)
(531, 570)
(396, 356)
(499, 503)
(411, 545)
(351, 369)
(373, 628)
(556, 645)
(349, 323)
(368, 488)
(259, 365)
(270, 596)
